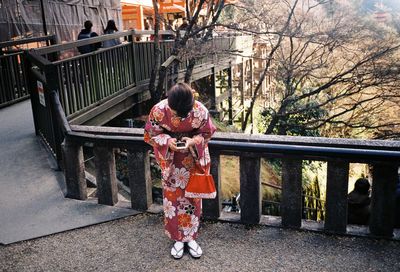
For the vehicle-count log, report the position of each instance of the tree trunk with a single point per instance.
(272, 124)
(152, 84)
(189, 70)
(277, 117)
(162, 73)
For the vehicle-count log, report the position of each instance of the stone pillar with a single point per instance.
(384, 180)
(291, 207)
(212, 207)
(250, 189)
(140, 178)
(107, 189)
(336, 196)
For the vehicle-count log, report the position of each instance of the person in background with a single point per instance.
(85, 34)
(184, 25)
(358, 202)
(110, 29)
(179, 129)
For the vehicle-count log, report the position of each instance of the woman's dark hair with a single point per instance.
(180, 99)
(362, 186)
(111, 26)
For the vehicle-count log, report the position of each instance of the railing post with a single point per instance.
(291, 207)
(230, 90)
(32, 90)
(212, 94)
(384, 180)
(336, 196)
(53, 85)
(243, 89)
(135, 59)
(212, 207)
(107, 189)
(74, 170)
(140, 178)
(251, 93)
(53, 40)
(250, 189)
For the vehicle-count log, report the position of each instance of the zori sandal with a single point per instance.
(194, 249)
(177, 250)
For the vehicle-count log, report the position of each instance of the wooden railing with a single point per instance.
(383, 156)
(85, 81)
(13, 78)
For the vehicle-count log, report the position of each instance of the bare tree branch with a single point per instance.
(267, 66)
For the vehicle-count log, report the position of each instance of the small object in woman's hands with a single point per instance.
(180, 144)
(188, 141)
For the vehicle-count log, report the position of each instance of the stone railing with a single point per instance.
(382, 156)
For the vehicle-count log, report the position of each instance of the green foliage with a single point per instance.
(223, 127)
(121, 165)
(294, 124)
(313, 207)
(313, 199)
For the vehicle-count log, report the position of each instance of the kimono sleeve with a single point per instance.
(155, 135)
(201, 138)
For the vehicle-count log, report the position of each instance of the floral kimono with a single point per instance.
(181, 215)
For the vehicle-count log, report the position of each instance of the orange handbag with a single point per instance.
(201, 184)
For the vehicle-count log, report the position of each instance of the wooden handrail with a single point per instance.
(101, 38)
(38, 60)
(80, 56)
(60, 115)
(25, 41)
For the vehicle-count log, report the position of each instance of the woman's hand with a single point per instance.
(172, 144)
(189, 142)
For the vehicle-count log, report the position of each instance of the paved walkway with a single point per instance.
(32, 202)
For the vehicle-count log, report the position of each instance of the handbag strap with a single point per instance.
(198, 164)
(198, 168)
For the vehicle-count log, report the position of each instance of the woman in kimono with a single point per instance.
(172, 121)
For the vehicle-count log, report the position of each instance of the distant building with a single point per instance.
(139, 14)
(383, 11)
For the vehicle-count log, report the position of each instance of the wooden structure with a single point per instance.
(135, 13)
(96, 87)
(13, 77)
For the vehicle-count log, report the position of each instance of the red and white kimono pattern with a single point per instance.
(181, 215)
